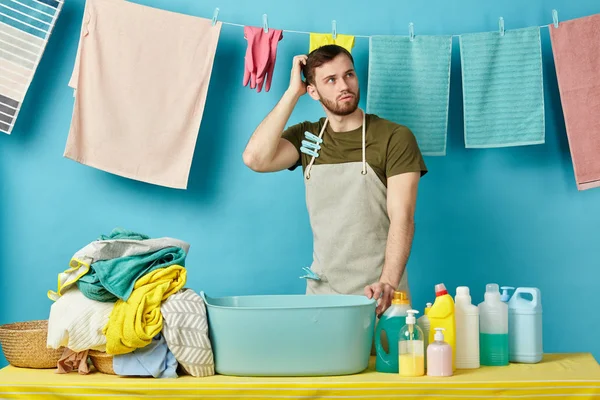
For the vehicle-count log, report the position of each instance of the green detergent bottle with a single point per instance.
(392, 320)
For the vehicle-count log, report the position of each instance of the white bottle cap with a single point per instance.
(439, 334)
(492, 292)
(410, 318)
(462, 291)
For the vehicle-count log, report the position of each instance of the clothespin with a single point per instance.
(333, 29)
(215, 15)
(411, 31)
(555, 18)
(501, 24)
(265, 23)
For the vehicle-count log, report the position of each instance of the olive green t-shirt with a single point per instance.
(391, 149)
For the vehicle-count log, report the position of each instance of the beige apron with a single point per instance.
(347, 206)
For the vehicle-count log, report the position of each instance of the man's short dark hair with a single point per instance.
(320, 56)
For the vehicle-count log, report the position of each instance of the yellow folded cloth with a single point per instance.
(133, 323)
(321, 39)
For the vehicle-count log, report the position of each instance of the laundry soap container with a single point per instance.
(493, 328)
(441, 315)
(392, 320)
(525, 326)
(291, 335)
(467, 330)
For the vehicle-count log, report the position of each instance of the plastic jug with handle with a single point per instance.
(525, 326)
(392, 320)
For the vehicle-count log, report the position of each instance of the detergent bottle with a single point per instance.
(439, 354)
(441, 315)
(493, 328)
(411, 356)
(392, 320)
(467, 330)
(505, 296)
(525, 326)
(423, 322)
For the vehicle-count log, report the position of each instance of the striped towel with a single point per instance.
(25, 26)
(185, 327)
(409, 83)
(503, 92)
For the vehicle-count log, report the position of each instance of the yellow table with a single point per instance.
(558, 376)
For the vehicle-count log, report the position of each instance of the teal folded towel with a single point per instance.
(109, 280)
(120, 233)
(409, 83)
(503, 94)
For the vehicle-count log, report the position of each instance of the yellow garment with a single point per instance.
(321, 39)
(133, 323)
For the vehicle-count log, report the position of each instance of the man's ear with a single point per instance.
(312, 92)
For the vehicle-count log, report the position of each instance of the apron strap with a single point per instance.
(364, 148)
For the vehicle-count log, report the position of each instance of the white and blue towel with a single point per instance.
(25, 26)
(503, 94)
(409, 83)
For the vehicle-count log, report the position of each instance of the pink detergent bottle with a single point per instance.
(439, 356)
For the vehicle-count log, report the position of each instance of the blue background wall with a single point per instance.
(511, 216)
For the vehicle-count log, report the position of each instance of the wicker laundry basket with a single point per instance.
(24, 345)
(102, 361)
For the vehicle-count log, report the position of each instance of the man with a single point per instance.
(361, 179)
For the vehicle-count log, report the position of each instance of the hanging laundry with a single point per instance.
(24, 33)
(72, 360)
(503, 90)
(153, 360)
(409, 83)
(260, 56)
(121, 245)
(185, 328)
(133, 323)
(321, 39)
(576, 48)
(76, 322)
(141, 84)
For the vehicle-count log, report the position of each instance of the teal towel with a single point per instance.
(409, 83)
(120, 233)
(503, 94)
(113, 279)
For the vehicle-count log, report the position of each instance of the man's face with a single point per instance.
(336, 86)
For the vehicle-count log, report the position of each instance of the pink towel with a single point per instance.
(576, 47)
(260, 56)
(141, 78)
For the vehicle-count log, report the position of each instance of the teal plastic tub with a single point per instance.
(290, 335)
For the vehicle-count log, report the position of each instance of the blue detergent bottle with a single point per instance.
(392, 320)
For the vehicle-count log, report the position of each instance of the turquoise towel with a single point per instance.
(409, 83)
(110, 279)
(503, 92)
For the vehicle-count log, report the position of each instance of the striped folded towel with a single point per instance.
(25, 26)
(409, 84)
(503, 89)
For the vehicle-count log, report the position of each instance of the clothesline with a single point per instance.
(308, 33)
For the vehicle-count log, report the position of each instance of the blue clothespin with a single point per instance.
(310, 274)
(215, 15)
(265, 23)
(411, 31)
(501, 24)
(333, 29)
(312, 145)
(555, 18)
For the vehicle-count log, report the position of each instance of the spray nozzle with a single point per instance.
(439, 334)
(410, 318)
(505, 296)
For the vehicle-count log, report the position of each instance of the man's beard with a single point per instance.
(341, 108)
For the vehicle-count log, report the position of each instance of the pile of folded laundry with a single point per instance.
(123, 294)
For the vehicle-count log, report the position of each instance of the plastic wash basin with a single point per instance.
(290, 335)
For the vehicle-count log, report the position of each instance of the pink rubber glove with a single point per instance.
(257, 56)
(274, 41)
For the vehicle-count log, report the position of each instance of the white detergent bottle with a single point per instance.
(467, 330)
(439, 354)
(493, 328)
(525, 326)
(423, 323)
